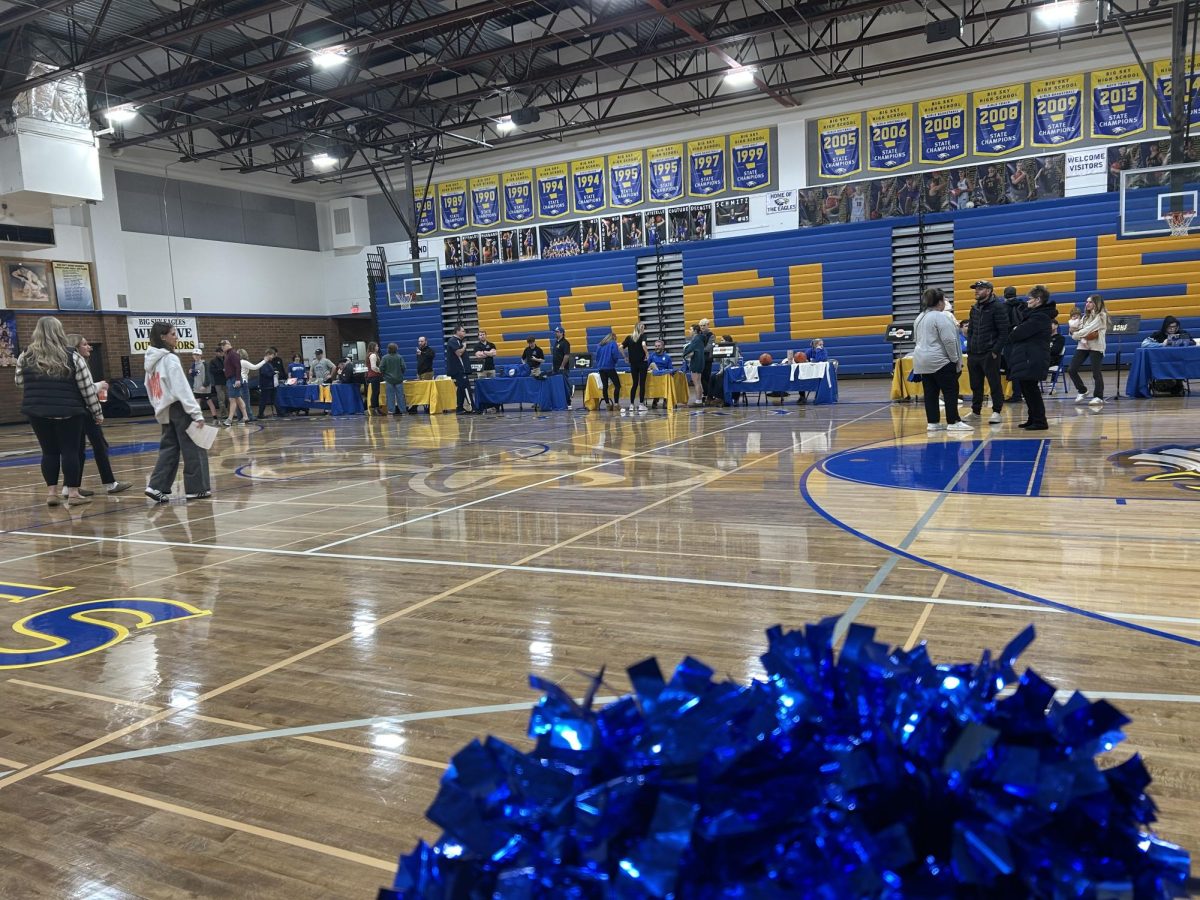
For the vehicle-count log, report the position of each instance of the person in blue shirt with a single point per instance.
(296, 369)
(817, 352)
(608, 354)
(660, 364)
(962, 333)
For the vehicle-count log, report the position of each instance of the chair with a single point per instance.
(1058, 370)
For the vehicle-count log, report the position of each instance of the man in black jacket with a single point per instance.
(1014, 305)
(562, 359)
(988, 333)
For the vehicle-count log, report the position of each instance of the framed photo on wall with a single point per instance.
(28, 284)
(10, 348)
(74, 285)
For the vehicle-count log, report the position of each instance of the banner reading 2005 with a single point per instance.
(889, 137)
(552, 191)
(666, 172)
(943, 128)
(485, 200)
(999, 124)
(838, 136)
(426, 215)
(1057, 111)
(1118, 102)
(750, 152)
(452, 198)
(625, 179)
(1162, 82)
(518, 195)
(706, 166)
(587, 184)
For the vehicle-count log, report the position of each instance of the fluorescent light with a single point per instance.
(741, 77)
(323, 161)
(505, 124)
(1058, 13)
(329, 58)
(121, 115)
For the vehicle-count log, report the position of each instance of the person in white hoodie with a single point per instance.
(1090, 332)
(176, 410)
(938, 360)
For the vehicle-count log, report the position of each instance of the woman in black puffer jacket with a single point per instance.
(1029, 354)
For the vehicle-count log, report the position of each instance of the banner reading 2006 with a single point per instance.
(552, 191)
(518, 195)
(666, 172)
(452, 199)
(1057, 111)
(426, 215)
(943, 128)
(625, 179)
(999, 123)
(1162, 82)
(706, 166)
(889, 137)
(485, 200)
(1118, 102)
(750, 153)
(838, 136)
(587, 184)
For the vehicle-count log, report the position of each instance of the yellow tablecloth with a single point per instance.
(672, 388)
(903, 389)
(439, 395)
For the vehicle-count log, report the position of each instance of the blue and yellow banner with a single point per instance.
(706, 166)
(625, 171)
(999, 120)
(552, 191)
(426, 215)
(1162, 82)
(889, 137)
(1118, 102)
(839, 142)
(518, 195)
(666, 172)
(485, 200)
(587, 184)
(1057, 111)
(750, 158)
(943, 128)
(452, 201)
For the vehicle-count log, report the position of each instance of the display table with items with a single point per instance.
(439, 395)
(1161, 364)
(820, 378)
(670, 387)
(904, 390)
(338, 399)
(549, 393)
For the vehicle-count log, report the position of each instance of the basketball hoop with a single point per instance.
(404, 299)
(1179, 222)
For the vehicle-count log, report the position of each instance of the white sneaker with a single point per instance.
(930, 429)
(624, 411)
(960, 426)
(994, 419)
(1081, 398)
(1096, 401)
(641, 407)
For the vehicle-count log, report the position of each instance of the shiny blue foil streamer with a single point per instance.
(869, 773)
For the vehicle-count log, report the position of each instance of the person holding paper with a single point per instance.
(181, 418)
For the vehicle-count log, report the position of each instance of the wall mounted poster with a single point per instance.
(73, 285)
(625, 179)
(666, 172)
(552, 191)
(1057, 111)
(839, 137)
(139, 332)
(10, 347)
(999, 120)
(518, 195)
(485, 201)
(1118, 102)
(706, 166)
(1162, 91)
(527, 243)
(889, 137)
(943, 128)
(750, 157)
(28, 284)
(631, 230)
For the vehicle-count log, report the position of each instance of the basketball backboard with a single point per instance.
(413, 281)
(1157, 201)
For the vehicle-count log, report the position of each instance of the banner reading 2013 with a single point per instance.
(943, 128)
(587, 184)
(666, 172)
(839, 141)
(452, 199)
(552, 191)
(1118, 102)
(625, 179)
(889, 137)
(485, 200)
(1057, 111)
(999, 123)
(1162, 82)
(426, 215)
(518, 195)
(750, 154)
(706, 166)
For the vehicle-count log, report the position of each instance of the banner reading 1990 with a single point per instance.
(1118, 102)
(839, 137)
(943, 128)
(485, 200)
(1057, 111)
(518, 195)
(625, 179)
(1162, 82)
(587, 184)
(889, 137)
(552, 191)
(426, 215)
(706, 166)
(666, 172)
(999, 123)
(750, 154)
(452, 198)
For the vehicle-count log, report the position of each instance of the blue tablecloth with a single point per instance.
(544, 393)
(779, 378)
(1160, 364)
(346, 398)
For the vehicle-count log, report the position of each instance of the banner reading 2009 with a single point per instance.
(1118, 102)
(666, 172)
(1162, 82)
(518, 195)
(485, 200)
(750, 153)
(1057, 111)
(587, 184)
(452, 198)
(838, 136)
(625, 179)
(999, 123)
(552, 191)
(889, 137)
(706, 166)
(943, 128)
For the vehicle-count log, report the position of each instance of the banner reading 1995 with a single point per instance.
(1162, 83)
(587, 184)
(999, 123)
(1057, 111)
(666, 172)
(452, 199)
(552, 191)
(943, 128)
(889, 137)
(518, 195)
(1118, 102)
(838, 137)
(750, 154)
(426, 215)
(485, 200)
(706, 166)
(625, 179)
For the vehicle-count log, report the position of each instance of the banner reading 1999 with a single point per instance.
(943, 128)
(750, 154)
(838, 137)
(1162, 83)
(1057, 110)
(999, 123)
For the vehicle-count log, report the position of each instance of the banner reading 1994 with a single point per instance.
(666, 172)
(943, 128)
(426, 215)
(839, 142)
(625, 179)
(1057, 111)
(1162, 82)
(1118, 102)
(999, 123)
(452, 199)
(552, 191)
(889, 137)
(750, 154)
(485, 200)
(706, 166)
(518, 195)
(587, 184)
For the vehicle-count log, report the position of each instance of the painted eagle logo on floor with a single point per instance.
(1180, 466)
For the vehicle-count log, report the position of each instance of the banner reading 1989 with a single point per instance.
(750, 154)
(999, 123)
(1118, 102)
(485, 200)
(587, 184)
(666, 172)
(625, 179)
(518, 195)
(426, 215)
(706, 166)
(943, 128)
(452, 198)
(552, 191)
(1057, 111)
(839, 137)
(1162, 82)
(889, 137)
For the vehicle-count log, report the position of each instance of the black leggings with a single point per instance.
(607, 375)
(639, 382)
(94, 433)
(1096, 358)
(60, 442)
(943, 382)
(372, 394)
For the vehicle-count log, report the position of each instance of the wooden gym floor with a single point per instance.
(361, 598)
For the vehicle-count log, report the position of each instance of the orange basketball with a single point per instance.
(799, 356)
(765, 359)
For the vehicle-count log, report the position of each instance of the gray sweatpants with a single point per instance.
(173, 443)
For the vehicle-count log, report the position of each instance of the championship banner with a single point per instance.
(889, 137)
(1162, 83)
(518, 195)
(750, 155)
(706, 166)
(625, 179)
(838, 137)
(452, 200)
(587, 184)
(485, 200)
(666, 172)
(943, 128)
(1118, 102)
(1057, 111)
(552, 191)
(426, 215)
(999, 120)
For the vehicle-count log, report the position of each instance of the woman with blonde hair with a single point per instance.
(1089, 330)
(244, 392)
(58, 397)
(607, 356)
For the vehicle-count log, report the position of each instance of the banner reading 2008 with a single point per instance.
(889, 137)
(666, 172)
(426, 215)
(625, 179)
(452, 199)
(1162, 82)
(999, 123)
(1057, 111)
(943, 128)
(750, 153)
(587, 184)
(485, 200)
(1118, 102)
(706, 166)
(552, 191)
(518, 195)
(839, 137)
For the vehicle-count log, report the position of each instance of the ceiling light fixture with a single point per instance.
(329, 58)
(1058, 13)
(121, 115)
(323, 161)
(505, 124)
(741, 77)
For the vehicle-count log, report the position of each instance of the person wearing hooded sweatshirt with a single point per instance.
(175, 409)
(1029, 354)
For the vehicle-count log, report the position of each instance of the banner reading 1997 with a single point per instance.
(625, 179)
(426, 215)
(999, 123)
(587, 184)
(666, 172)
(1118, 102)
(518, 195)
(943, 128)
(552, 191)
(1162, 82)
(889, 137)
(839, 137)
(452, 198)
(706, 166)
(1057, 111)
(750, 154)
(485, 200)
